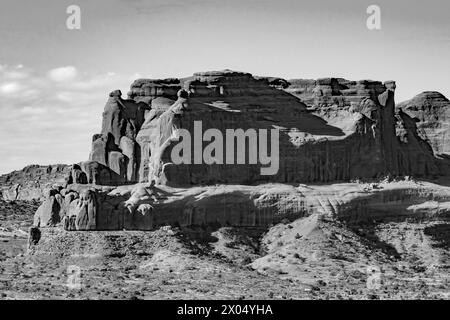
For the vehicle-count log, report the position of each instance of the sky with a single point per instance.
(54, 81)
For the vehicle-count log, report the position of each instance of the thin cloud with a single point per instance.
(33, 110)
(9, 88)
(63, 74)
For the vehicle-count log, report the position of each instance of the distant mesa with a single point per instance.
(331, 130)
(432, 110)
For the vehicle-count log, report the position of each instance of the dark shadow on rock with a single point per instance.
(367, 232)
(440, 233)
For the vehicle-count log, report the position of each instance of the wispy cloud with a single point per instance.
(63, 74)
(9, 88)
(49, 117)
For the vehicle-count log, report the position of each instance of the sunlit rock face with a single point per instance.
(144, 207)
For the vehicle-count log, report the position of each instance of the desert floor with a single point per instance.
(309, 258)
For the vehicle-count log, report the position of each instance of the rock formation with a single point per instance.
(144, 207)
(329, 130)
(48, 214)
(31, 182)
(115, 147)
(432, 110)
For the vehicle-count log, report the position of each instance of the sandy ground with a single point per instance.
(309, 258)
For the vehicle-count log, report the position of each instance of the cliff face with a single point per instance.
(326, 93)
(329, 129)
(432, 111)
(407, 143)
(115, 147)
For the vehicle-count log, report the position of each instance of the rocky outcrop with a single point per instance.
(323, 130)
(34, 235)
(81, 212)
(146, 207)
(326, 94)
(340, 129)
(432, 111)
(115, 147)
(49, 213)
(404, 147)
(330, 129)
(31, 182)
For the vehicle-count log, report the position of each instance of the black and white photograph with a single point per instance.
(251, 151)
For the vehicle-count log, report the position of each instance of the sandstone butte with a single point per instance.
(333, 132)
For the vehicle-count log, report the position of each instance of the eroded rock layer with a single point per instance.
(326, 130)
(432, 112)
(146, 207)
(329, 130)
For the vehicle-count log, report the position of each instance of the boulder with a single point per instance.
(48, 214)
